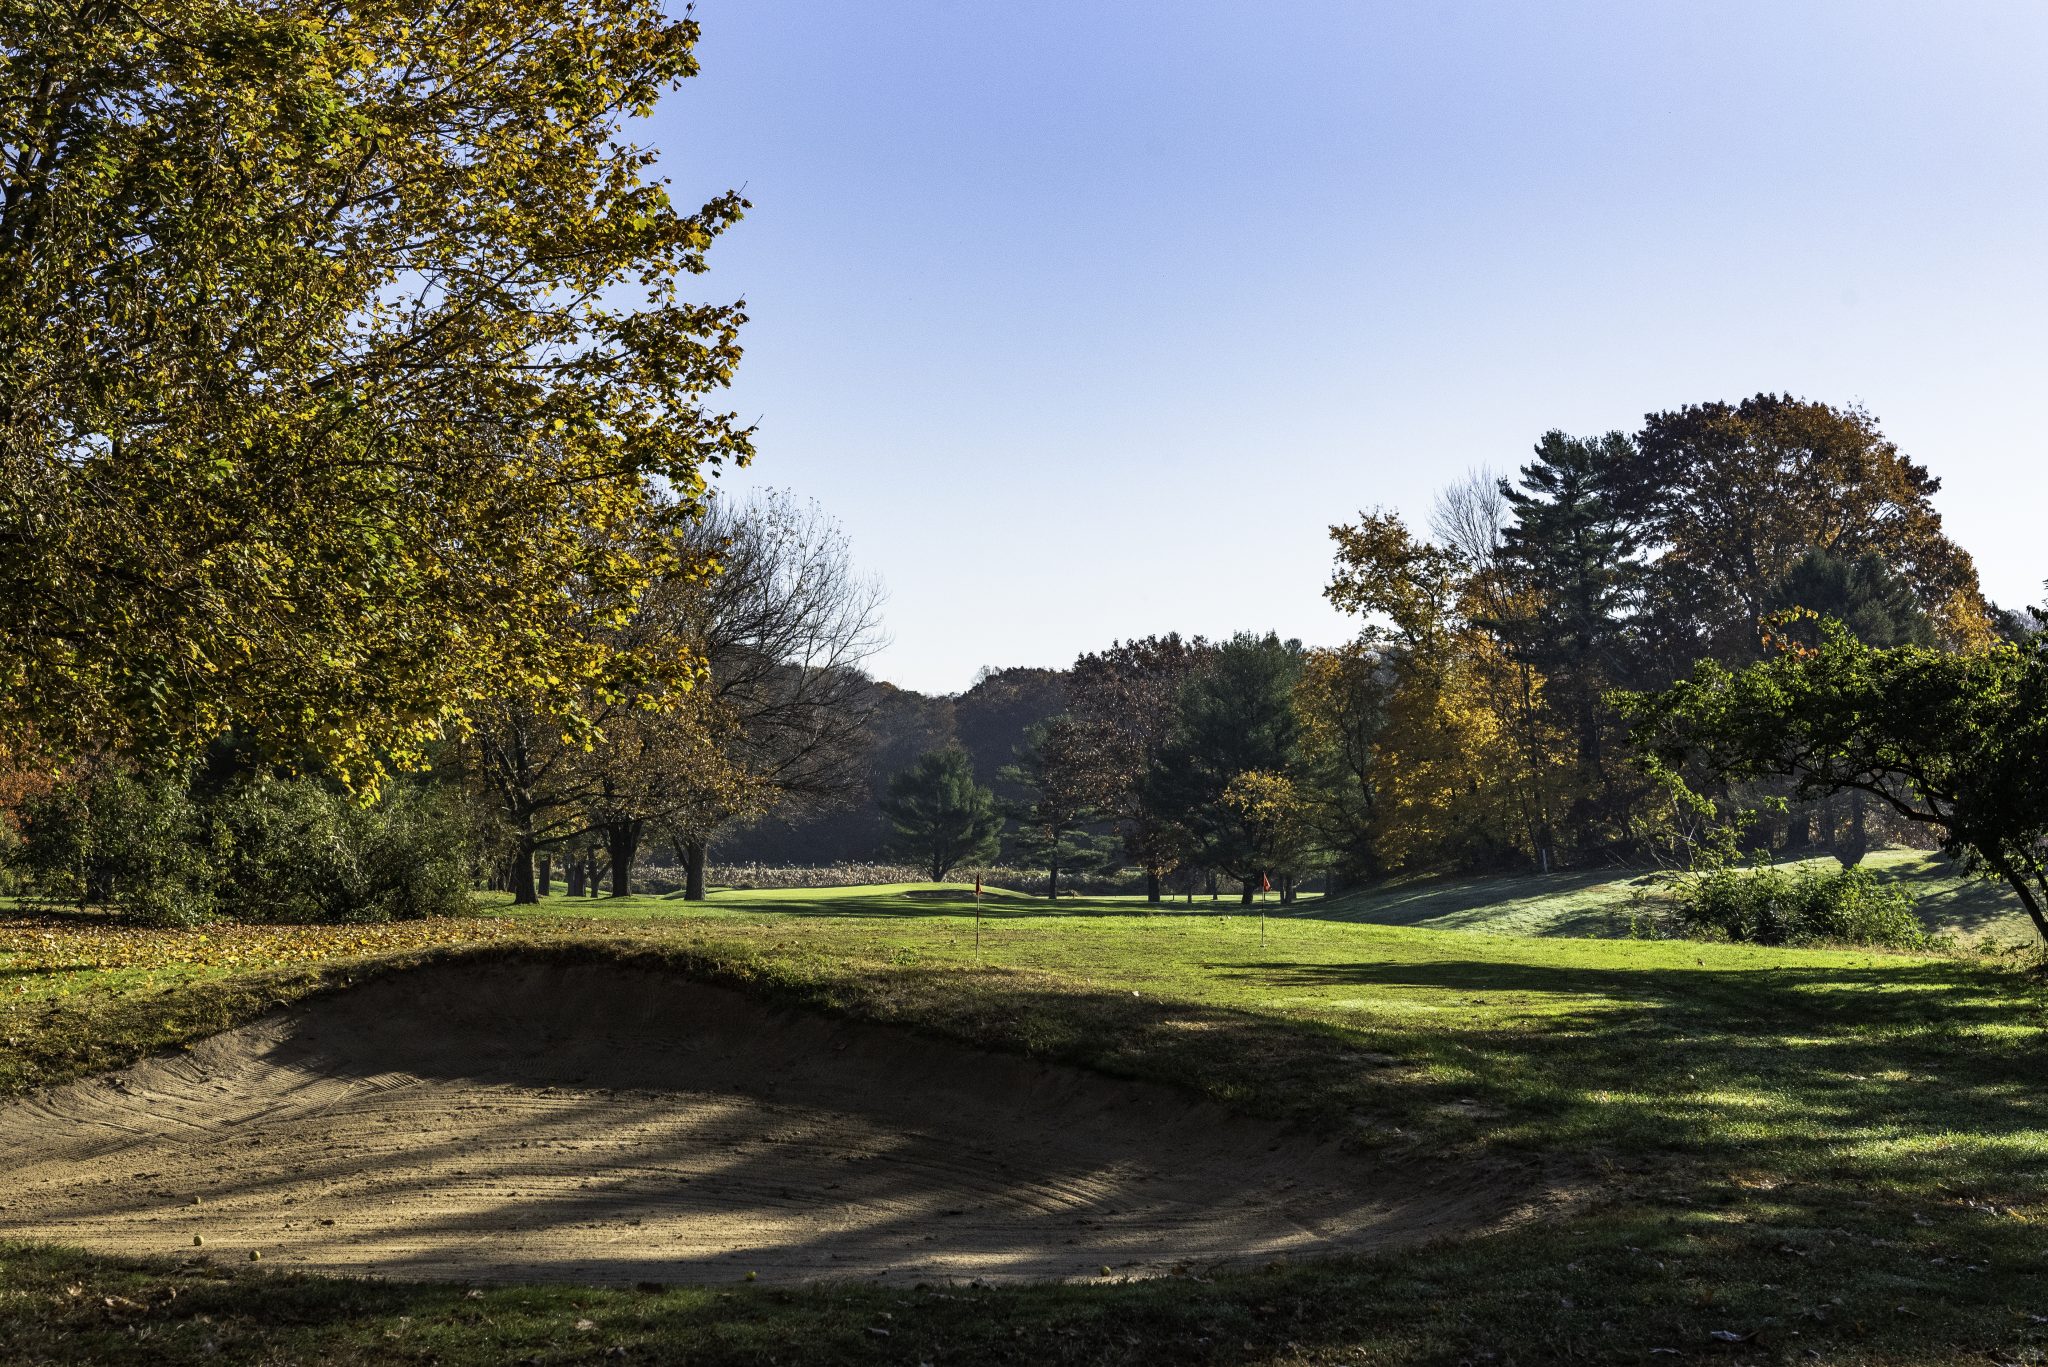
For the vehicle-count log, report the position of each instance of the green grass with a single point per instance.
(1613, 903)
(1833, 1156)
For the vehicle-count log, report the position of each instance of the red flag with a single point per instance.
(977, 885)
(1265, 883)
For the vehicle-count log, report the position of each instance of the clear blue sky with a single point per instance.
(1086, 319)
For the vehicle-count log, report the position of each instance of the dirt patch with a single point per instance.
(596, 1123)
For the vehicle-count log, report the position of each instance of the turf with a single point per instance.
(1784, 1155)
(1618, 903)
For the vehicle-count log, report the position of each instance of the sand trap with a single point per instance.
(603, 1124)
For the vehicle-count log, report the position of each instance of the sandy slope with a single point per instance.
(596, 1123)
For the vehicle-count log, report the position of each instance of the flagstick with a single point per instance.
(977, 918)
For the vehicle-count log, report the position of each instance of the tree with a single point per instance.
(335, 343)
(1466, 769)
(559, 773)
(1730, 497)
(534, 774)
(669, 761)
(1121, 703)
(785, 626)
(1272, 825)
(996, 713)
(1054, 816)
(1234, 715)
(1876, 606)
(1573, 554)
(940, 816)
(1862, 592)
(1342, 700)
(1954, 740)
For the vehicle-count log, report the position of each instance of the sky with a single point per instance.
(1087, 319)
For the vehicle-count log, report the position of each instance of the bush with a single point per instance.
(1771, 906)
(302, 852)
(261, 849)
(140, 844)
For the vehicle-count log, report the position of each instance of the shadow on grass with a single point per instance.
(1784, 1275)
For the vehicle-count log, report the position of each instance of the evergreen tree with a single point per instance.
(940, 816)
(1861, 592)
(1233, 716)
(1573, 552)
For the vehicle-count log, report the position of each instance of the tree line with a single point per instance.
(1482, 716)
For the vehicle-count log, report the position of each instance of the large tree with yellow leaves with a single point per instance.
(338, 344)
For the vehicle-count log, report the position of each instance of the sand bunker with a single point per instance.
(603, 1124)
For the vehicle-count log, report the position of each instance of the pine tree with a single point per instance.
(940, 816)
(1575, 555)
(1233, 716)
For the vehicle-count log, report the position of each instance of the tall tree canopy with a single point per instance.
(1862, 592)
(786, 625)
(1464, 762)
(337, 343)
(1055, 813)
(1572, 554)
(1730, 497)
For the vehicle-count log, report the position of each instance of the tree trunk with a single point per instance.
(522, 876)
(575, 868)
(2017, 881)
(1054, 894)
(592, 885)
(547, 874)
(1250, 888)
(1287, 890)
(695, 856)
(1213, 893)
(1849, 850)
(1152, 886)
(622, 841)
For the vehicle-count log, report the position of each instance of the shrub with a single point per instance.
(1771, 906)
(140, 844)
(300, 851)
(416, 856)
(260, 849)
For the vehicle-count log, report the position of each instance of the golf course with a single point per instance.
(715, 684)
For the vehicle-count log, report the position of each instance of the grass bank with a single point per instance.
(1613, 903)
